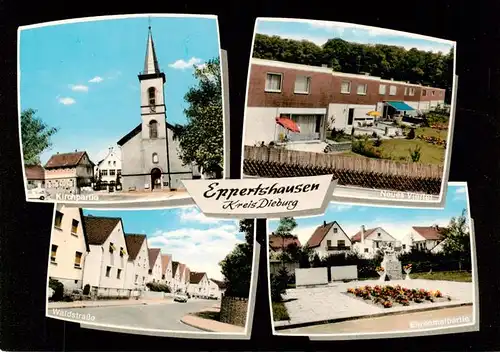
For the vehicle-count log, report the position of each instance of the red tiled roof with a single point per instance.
(357, 236)
(34, 172)
(99, 228)
(134, 243)
(195, 278)
(153, 256)
(276, 242)
(429, 232)
(65, 160)
(320, 233)
(165, 259)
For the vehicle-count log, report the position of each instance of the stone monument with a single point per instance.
(391, 264)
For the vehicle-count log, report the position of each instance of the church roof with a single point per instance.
(136, 131)
(151, 61)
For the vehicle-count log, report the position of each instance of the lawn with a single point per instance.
(398, 149)
(280, 312)
(460, 276)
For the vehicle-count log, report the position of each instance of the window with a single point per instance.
(404, 246)
(406, 90)
(412, 92)
(379, 234)
(118, 273)
(136, 278)
(111, 247)
(58, 219)
(104, 172)
(114, 163)
(109, 163)
(163, 277)
(74, 227)
(424, 93)
(153, 129)
(108, 271)
(382, 89)
(345, 87)
(122, 252)
(366, 250)
(302, 84)
(273, 82)
(53, 253)
(155, 158)
(341, 243)
(335, 230)
(362, 88)
(112, 172)
(152, 96)
(393, 90)
(78, 259)
(328, 243)
(433, 92)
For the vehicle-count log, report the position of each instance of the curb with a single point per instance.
(98, 306)
(377, 315)
(194, 325)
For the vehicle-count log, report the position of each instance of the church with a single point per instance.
(150, 157)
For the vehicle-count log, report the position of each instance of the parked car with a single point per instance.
(180, 297)
(38, 193)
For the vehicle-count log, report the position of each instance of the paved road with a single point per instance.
(408, 322)
(164, 316)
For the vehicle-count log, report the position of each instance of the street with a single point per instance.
(162, 316)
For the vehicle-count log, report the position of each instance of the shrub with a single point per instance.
(374, 134)
(58, 288)
(411, 134)
(415, 154)
(280, 312)
(86, 289)
(378, 141)
(158, 287)
(279, 283)
(361, 147)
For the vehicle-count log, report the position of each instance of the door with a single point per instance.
(155, 179)
(350, 117)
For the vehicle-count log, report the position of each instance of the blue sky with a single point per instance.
(319, 32)
(396, 221)
(82, 77)
(188, 235)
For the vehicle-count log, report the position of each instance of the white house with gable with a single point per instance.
(423, 238)
(329, 238)
(138, 261)
(199, 285)
(69, 248)
(367, 242)
(176, 276)
(216, 289)
(155, 272)
(109, 169)
(166, 267)
(106, 263)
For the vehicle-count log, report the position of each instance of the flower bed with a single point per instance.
(432, 140)
(387, 296)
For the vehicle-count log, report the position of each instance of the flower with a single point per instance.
(379, 269)
(387, 304)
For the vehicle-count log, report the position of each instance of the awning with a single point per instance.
(400, 106)
(288, 124)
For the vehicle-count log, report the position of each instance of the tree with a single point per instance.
(284, 231)
(201, 139)
(457, 240)
(35, 136)
(236, 267)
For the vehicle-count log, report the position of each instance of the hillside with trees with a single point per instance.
(385, 61)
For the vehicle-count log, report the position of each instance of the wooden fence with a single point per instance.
(341, 162)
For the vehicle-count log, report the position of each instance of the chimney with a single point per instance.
(324, 223)
(362, 234)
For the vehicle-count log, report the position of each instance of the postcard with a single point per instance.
(109, 107)
(165, 271)
(364, 272)
(374, 107)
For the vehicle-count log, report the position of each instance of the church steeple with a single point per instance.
(151, 61)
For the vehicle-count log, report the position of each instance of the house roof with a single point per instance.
(195, 278)
(99, 228)
(134, 243)
(136, 131)
(187, 273)
(357, 236)
(165, 259)
(175, 265)
(429, 232)
(320, 233)
(182, 269)
(221, 284)
(345, 177)
(277, 243)
(153, 256)
(34, 172)
(65, 160)
(85, 236)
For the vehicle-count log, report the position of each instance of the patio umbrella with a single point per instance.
(288, 124)
(373, 113)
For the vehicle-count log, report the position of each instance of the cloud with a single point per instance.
(460, 190)
(96, 79)
(460, 194)
(66, 100)
(339, 207)
(194, 215)
(182, 65)
(79, 88)
(201, 250)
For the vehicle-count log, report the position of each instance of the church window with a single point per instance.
(155, 158)
(153, 129)
(152, 96)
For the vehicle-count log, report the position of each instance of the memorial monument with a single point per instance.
(391, 264)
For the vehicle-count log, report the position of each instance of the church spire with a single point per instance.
(150, 62)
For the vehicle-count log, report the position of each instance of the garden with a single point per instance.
(388, 296)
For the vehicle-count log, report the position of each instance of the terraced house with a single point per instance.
(318, 99)
(154, 265)
(138, 261)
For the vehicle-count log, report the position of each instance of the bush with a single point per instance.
(377, 142)
(280, 312)
(279, 283)
(411, 134)
(58, 288)
(415, 154)
(361, 147)
(158, 287)
(86, 289)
